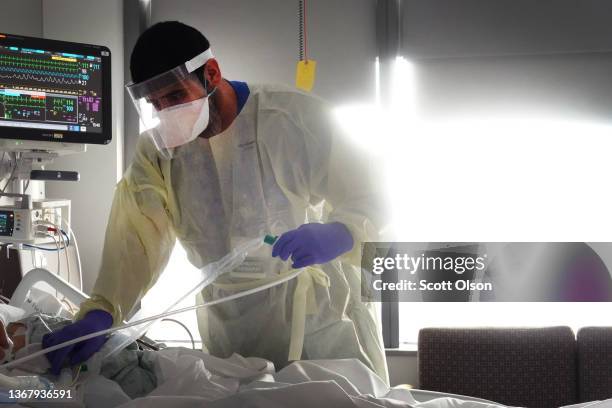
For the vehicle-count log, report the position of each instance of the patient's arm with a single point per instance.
(17, 334)
(5, 341)
(9, 314)
(13, 334)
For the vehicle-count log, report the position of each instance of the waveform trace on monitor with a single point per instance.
(39, 85)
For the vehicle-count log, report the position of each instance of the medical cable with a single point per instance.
(76, 249)
(62, 235)
(11, 176)
(302, 36)
(145, 345)
(51, 227)
(149, 346)
(58, 236)
(153, 319)
(76, 376)
(211, 272)
(58, 254)
(58, 258)
(33, 257)
(27, 184)
(41, 248)
(70, 307)
(65, 238)
(184, 327)
(69, 234)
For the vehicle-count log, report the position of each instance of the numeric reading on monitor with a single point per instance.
(50, 90)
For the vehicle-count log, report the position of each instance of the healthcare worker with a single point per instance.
(223, 162)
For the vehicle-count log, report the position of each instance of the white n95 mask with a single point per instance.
(180, 124)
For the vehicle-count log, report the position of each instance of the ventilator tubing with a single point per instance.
(225, 264)
(210, 272)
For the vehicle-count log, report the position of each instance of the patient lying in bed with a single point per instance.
(183, 377)
(131, 368)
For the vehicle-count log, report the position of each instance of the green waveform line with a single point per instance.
(6, 106)
(31, 62)
(21, 101)
(39, 61)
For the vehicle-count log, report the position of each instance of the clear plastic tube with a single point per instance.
(210, 272)
(225, 264)
(30, 382)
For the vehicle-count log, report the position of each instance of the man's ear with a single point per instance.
(212, 73)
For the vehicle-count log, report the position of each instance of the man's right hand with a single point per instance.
(95, 320)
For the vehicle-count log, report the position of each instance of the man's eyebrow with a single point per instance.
(174, 92)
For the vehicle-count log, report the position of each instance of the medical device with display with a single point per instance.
(54, 91)
(26, 221)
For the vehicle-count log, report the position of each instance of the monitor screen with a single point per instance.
(6, 223)
(54, 91)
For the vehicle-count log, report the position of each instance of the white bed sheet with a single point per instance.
(194, 379)
(190, 378)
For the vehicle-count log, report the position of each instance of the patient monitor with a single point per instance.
(53, 92)
(55, 98)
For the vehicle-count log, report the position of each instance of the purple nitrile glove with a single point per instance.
(313, 244)
(93, 321)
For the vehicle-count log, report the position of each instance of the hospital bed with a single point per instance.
(192, 378)
(22, 296)
(41, 284)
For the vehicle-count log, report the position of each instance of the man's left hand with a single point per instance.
(313, 243)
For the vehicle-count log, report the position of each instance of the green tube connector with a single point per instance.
(270, 239)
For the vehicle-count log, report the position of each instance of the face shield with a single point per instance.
(173, 106)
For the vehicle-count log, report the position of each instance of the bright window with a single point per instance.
(177, 280)
(414, 316)
(487, 179)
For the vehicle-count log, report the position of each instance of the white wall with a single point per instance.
(257, 42)
(23, 17)
(440, 28)
(403, 368)
(565, 49)
(94, 22)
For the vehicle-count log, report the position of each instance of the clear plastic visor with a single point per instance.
(172, 104)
